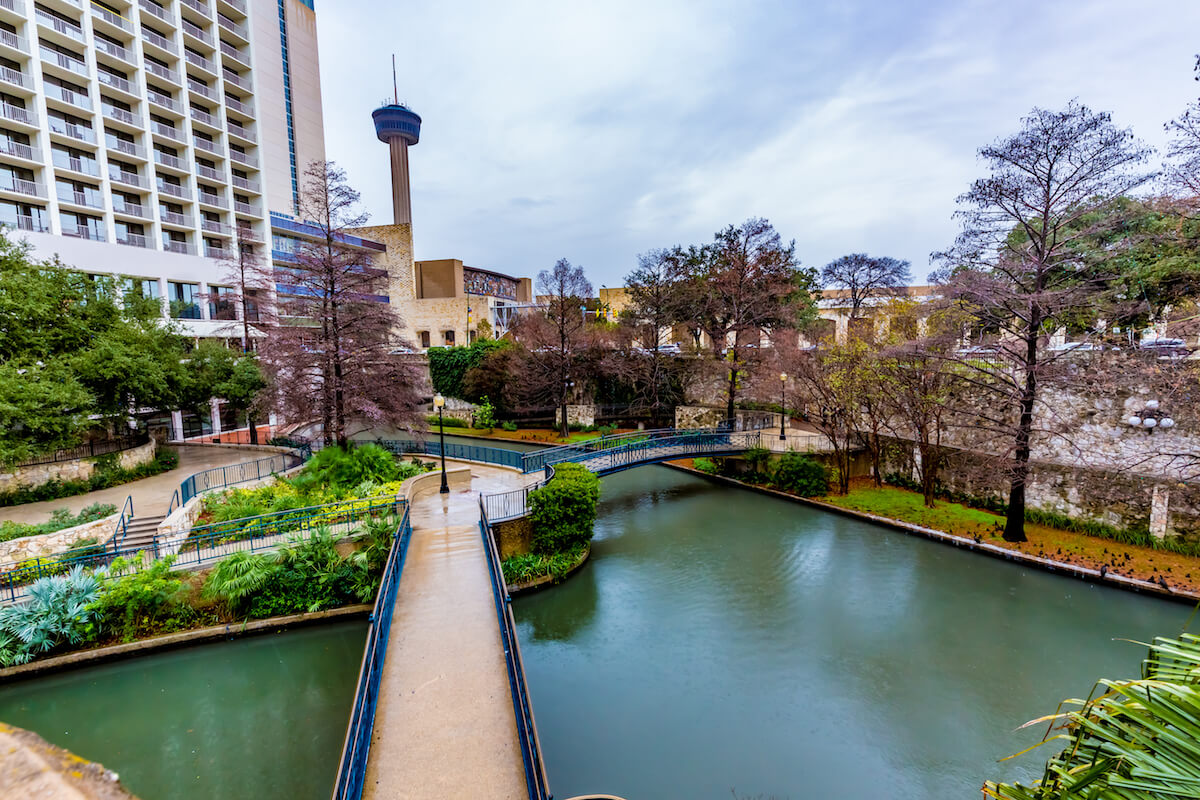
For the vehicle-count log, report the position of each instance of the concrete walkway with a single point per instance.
(151, 496)
(444, 727)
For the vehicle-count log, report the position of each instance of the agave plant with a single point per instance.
(57, 611)
(1131, 740)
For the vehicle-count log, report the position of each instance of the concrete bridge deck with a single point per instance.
(445, 725)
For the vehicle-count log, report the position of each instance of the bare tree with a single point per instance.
(743, 285)
(252, 281)
(828, 389)
(1182, 168)
(1014, 268)
(554, 340)
(332, 353)
(656, 302)
(865, 277)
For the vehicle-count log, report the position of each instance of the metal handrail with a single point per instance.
(220, 477)
(352, 767)
(537, 460)
(536, 780)
(122, 529)
(92, 448)
(211, 536)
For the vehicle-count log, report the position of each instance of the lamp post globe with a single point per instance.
(439, 403)
(782, 405)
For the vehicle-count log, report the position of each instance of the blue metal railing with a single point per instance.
(117, 540)
(536, 780)
(461, 452)
(220, 477)
(531, 462)
(352, 769)
(647, 447)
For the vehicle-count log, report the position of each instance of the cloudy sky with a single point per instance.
(597, 130)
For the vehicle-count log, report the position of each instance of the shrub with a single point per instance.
(341, 470)
(801, 474)
(705, 465)
(509, 426)
(237, 577)
(56, 612)
(563, 512)
(131, 603)
(59, 518)
(530, 566)
(485, 415)
(757, 459)
(448, 365)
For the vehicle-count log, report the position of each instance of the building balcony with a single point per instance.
(156, 11)
(121, 115)
(13, 8)
(240, 106)
(196, 87)
(50, 22)
(175, 190)
(20, 186)
(172, 246)
(198, 5)
(72, 131)
(64, 62)
(133, 240)
(161, 42)
(199, 34)
(83, 166)
(215, 227)
(210, 173)
(238, 29)
(83, 232)
(234, 79)
(208, 146)
(247, 184)
(125, 148)
(244, 158)
(14, 77)
(26, 222)
(163, 101)
(166, 73)
(128, 179)
(240, 131)
(112, 50)
(24, 116)
(118, 83)
(90, 200)
(74, 100)
(205, 118)
(130, 209)
(239, 56)
(248, 235)
(237, 5)
(221, 253)
(213, 200)
(199, 62)
(12, 41)
(175, 218)
(115, 20)
(23, 152)
(171, 162)
(167, 132)
(249, 209)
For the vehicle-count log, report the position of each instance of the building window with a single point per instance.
(222, 305)
(424, 338)
(448, 338)
(185, 300)
(252, 305)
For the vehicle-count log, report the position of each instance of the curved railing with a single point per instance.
(221, 477)
(613, 453)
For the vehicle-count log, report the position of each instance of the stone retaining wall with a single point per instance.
(78, 469)
(49, 544)
(576, 415)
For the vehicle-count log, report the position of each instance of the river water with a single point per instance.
(261, 717)
(718, 643)
(721, 642)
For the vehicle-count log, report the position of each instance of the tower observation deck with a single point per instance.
(400, 128)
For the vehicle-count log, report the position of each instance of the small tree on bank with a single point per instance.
(1014, 269)
(332, 352)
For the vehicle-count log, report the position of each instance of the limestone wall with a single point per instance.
(79, 469)
(576, 415)
(691, 417)
(49, 544)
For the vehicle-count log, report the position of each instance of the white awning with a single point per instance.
(215, 329)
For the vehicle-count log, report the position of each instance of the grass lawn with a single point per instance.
(1147, 563)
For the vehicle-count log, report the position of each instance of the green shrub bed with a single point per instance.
(59, 518)
(563, 516)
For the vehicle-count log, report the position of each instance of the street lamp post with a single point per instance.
(439, 403)
(782, 404)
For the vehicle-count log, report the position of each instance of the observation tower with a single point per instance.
(400, 128)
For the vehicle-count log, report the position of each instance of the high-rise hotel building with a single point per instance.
(149, 139)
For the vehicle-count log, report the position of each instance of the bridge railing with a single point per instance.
(536, 780)
(664, 447)
(531, 462)
(352, 768)
(221, 477)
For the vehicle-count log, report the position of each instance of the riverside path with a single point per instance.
(445, 726)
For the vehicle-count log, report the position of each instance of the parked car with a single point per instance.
(1166, 349)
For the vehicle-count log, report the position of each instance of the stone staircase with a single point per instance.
(140, 533)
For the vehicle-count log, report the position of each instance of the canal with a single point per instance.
(246, 719)
(724, 643)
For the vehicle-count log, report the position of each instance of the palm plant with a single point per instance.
(238, 576)
(1130, 740)
(57, 610)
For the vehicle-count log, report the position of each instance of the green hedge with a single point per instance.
(563, 512)
(801, 474)
(448, 365)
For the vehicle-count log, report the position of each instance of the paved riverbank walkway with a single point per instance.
(151, 496)
(445, 726)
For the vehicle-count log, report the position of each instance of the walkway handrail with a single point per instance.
(536, 779)
(699, 441)
(352, 768)
(220, 477)
(117, 540)
(92, 448)
(550, 455)
(460, 452)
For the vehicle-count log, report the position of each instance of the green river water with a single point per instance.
(719, 642)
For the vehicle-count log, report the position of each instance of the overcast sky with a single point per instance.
(596, 131)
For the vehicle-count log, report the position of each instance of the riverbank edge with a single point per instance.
(172, 641)
(546, 581)
(995, 551)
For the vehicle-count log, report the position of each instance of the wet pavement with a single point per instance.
(151, 496)
(445, 725)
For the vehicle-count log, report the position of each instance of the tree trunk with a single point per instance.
(729, 412)
(1014, 522)
(928, 474)
(876, 459)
